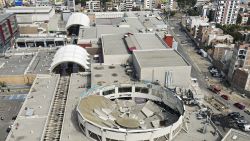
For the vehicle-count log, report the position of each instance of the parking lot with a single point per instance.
(8, 110)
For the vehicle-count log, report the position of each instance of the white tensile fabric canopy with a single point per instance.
(78, 19)
(71, 53)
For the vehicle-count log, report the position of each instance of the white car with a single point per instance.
(241, 121)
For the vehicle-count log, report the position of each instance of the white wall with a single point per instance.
(115, 59)
(181, 75)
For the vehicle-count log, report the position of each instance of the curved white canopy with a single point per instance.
(78, 19)
(70, 53)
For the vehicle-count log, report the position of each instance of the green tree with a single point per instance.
(248, 21)
(186, 3)
(193, 11)
(239, 19)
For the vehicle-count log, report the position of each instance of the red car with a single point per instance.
(240, 106)
(226, 97)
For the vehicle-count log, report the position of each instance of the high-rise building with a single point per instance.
(227, 11)
(93, 5)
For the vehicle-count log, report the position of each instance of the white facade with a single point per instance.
(71, 5)
(126, 5)
(227, 11)
(93, 5)
(109, 14)
(174, 75)
(149, 4)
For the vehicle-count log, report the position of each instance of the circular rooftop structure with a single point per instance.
(129, 112)
(78, 19)
(70, 53)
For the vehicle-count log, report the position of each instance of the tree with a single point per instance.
(193, 11)
(239, 19)
(186, 3)
(248, 21)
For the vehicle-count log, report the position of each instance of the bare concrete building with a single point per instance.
(221, 50)
(241, 79)
(166, 67)
(240, 58)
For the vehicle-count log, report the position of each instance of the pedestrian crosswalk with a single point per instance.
(19, 97)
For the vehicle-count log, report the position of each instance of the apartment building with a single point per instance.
(126, 5)
(8, 31)
(240, 58)
(227, 11)
(244, 18)
(194, 22)
(205, 31)
(149, 4)
(93, 5)
(222, 39)
(71, 5)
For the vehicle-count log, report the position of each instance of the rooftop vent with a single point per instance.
(111, 67)
(99, 68)
(98, 75)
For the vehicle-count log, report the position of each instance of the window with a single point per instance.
(141, 90)
(83, 128)
(112, 91)
(125, 89)
(95, 136)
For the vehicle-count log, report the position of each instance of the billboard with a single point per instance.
(18, 2)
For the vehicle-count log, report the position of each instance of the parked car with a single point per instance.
(241, 121)
(234, 114)
(247, 111)
(239, 105)
(199, 116)
(226, 97)
(237, 117)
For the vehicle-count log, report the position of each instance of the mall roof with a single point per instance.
(117, 44)
(71, 53)
(96, 32)
(159, 58)
(27, 10)
(78, 19)
(114, 45)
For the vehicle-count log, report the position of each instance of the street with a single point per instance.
(174, 28)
